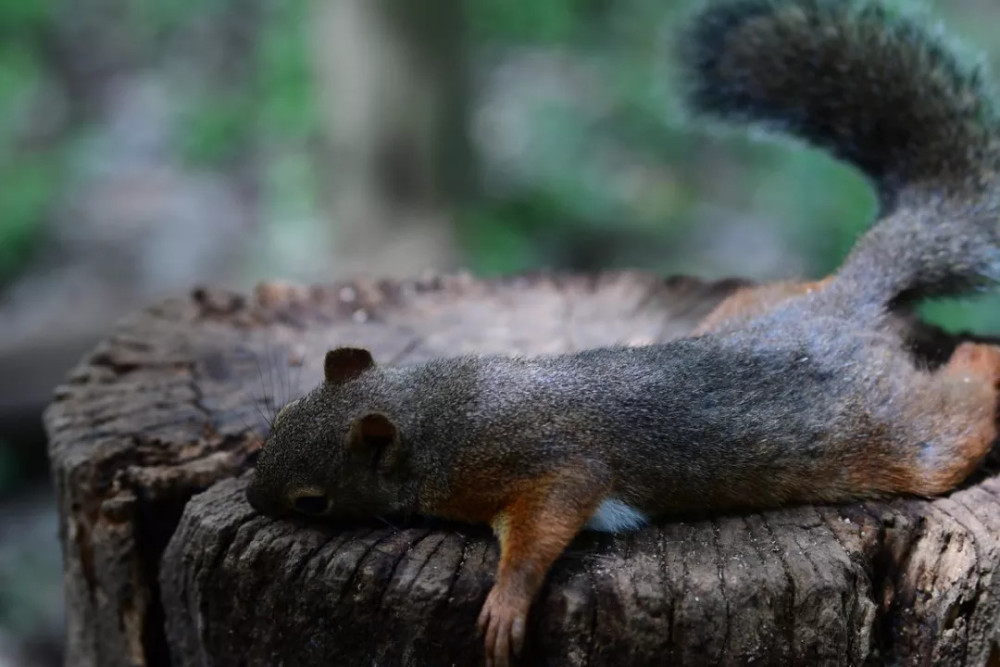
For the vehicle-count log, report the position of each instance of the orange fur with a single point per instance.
(970, 381)
(538, 521)
(748, 302)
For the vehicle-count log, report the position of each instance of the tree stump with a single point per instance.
(166, 563)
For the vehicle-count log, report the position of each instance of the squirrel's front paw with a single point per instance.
(503, 620)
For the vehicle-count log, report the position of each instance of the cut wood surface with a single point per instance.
(166, 563)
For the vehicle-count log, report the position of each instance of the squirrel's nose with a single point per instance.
(253, 497)
(259, 500)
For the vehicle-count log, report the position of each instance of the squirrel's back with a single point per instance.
(882, 91)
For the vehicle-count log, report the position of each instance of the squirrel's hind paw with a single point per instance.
(967, 428)
(976, 362)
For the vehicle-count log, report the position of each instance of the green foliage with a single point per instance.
(285, 83)
(501, 236)
(19, 76)
(28, 187)
(609, 161)
(526, 21)
(30, 178)
(277, 104)
(964, 315)
(287, 126)
(291, 187)
(154, 19)
(827, 205)
(216, 131)
(24, 18)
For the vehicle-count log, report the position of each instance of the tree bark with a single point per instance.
(166, 563)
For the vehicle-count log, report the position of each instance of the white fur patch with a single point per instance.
(614, 516)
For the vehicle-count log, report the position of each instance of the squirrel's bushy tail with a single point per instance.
(881, 91)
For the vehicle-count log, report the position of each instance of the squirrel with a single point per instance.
(788, 393)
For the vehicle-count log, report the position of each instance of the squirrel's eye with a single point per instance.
(311, 505)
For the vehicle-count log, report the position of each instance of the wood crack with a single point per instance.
(727, 620)
(789, 633)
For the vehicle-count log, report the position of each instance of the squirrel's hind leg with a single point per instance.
(965, 420)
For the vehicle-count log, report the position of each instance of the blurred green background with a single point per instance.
(150, 145)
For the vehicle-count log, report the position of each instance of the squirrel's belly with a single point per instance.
(614, 516)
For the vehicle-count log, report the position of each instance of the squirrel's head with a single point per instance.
(334, 452)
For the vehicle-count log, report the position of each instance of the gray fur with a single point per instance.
(669, 421)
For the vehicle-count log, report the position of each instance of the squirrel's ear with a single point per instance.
(346, 363)
(375, 438)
